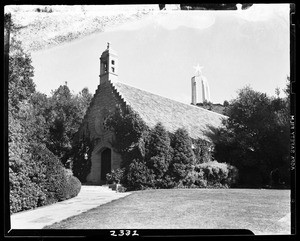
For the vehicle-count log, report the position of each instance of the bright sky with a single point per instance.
(157, 54)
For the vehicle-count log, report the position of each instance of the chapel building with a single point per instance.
(152, 108)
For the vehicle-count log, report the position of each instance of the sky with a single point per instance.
(159, 52)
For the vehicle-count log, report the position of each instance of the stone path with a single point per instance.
(88, 198)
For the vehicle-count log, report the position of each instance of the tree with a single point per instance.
(183, 157)
(225, 103)
(83, 100)
(66, 114)
(20, 84)
(158, 152)
(255, 137)
(31, 164)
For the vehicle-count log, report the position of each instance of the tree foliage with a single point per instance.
(155, 158)
(183, 156)
(129, 130)
(158, 152)
(256, 137)
(66, 112)
(36, 175)
(20, 84)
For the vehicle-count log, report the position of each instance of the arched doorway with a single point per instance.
(105, 163)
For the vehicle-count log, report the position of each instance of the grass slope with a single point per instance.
(261, 211)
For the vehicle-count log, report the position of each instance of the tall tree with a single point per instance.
(183, 157)
(255, 137)
(66, 113)
(20, 84)
(158, 151)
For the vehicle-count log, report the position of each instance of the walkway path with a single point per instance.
(88, 198)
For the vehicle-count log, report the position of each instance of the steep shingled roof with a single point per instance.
(172, 114)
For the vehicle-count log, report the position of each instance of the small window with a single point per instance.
(113, 69)
(113, 62)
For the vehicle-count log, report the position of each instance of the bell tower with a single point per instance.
(108, 65)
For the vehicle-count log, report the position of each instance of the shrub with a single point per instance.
(74, 186)
(55, 175)
(138, 176)
(217, 174)
(69, 188)
(39, 179)
(54, 181)
(120, 188)
(24, 194)
(115, 176)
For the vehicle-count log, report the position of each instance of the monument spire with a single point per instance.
(204, 84)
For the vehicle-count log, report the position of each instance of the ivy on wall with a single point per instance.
(129, 131)
(155, 158)
(81, 156)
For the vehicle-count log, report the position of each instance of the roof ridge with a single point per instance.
(192, 106)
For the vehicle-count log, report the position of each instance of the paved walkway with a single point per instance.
(88, 198)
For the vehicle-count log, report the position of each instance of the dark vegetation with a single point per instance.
(40, 130)
(154, 158)
(256, 138)
(252, 148)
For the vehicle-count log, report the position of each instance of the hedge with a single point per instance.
(39, 179)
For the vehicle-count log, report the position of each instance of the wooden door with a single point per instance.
(105, 163)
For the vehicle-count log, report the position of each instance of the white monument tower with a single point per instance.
(204, 84)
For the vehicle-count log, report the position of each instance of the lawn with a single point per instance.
(259, 210)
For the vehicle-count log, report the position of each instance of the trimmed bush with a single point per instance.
(216, 174)
(24, 194)
(39, 179)
(69, 189)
